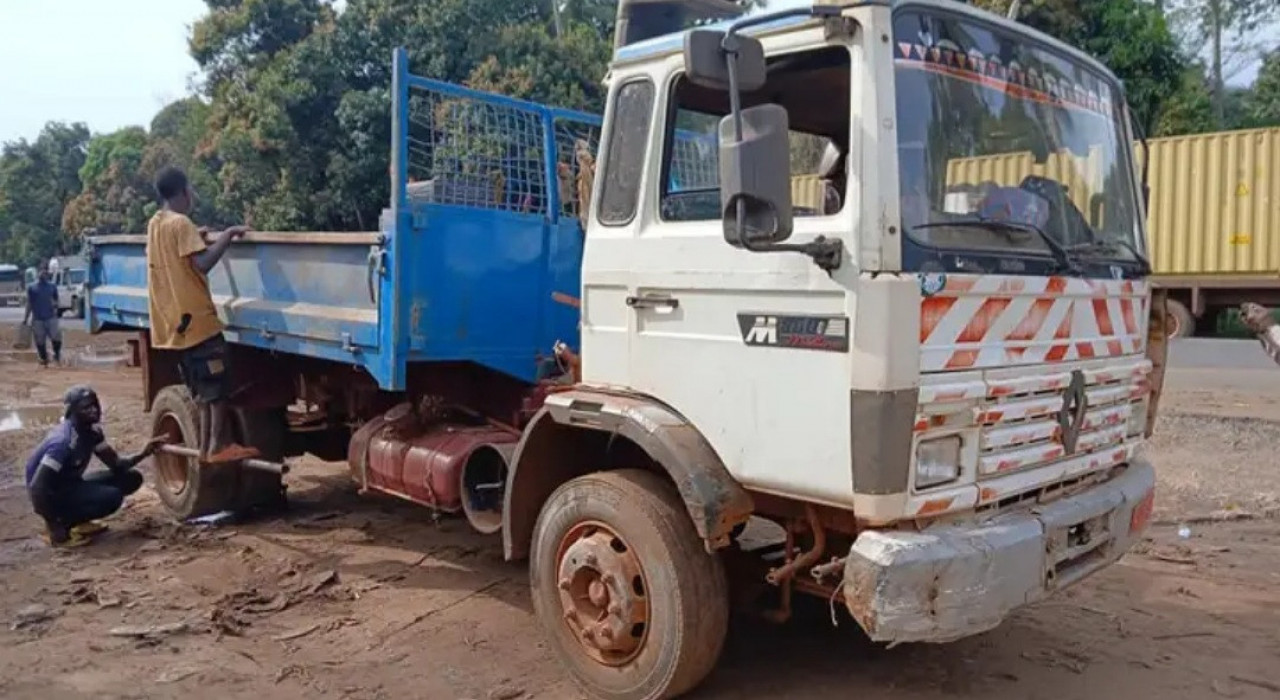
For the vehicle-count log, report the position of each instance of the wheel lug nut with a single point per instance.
(605, 632)
(565, 583)
(586, 634)
(615, 610)
(609, 579)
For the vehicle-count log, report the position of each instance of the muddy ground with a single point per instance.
(349, 597)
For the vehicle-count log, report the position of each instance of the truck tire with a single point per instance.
(624, 587)
(1181, 323)
(266, 430)
(185, 488)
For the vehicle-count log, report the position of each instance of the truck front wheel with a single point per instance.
(625, 589)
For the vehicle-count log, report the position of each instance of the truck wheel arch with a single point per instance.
(575, 433)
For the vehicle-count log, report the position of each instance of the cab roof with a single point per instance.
(674, 42)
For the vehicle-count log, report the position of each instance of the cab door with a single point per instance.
(752, 349)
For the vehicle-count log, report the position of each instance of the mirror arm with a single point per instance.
(827, 253)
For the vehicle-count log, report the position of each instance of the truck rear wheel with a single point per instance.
(266, 430)
(185, 488)
(625, 589)
(1181, 323)
(191, 490)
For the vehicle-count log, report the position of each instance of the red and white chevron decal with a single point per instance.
(984, 321)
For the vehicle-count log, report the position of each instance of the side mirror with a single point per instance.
(707, 59)
(755, 177)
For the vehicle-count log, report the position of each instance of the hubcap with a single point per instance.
(603, 593)
(173, 470)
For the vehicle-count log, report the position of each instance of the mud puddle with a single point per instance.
(29, 417)
(83, 358)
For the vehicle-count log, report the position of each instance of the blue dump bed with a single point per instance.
(481, 238)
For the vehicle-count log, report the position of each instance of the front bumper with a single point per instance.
(949, 582)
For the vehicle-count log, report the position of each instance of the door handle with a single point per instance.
(653, 302)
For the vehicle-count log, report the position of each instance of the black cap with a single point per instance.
(78, 398)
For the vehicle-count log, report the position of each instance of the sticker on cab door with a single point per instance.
(800, 332)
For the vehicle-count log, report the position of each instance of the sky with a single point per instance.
(108, 63)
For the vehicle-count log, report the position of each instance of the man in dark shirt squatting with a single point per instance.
(61, 493)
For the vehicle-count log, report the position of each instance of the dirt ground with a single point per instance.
(349, 597)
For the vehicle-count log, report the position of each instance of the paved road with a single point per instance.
(1213, 353)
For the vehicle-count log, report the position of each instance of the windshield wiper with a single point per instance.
(1101, 244)
(1060, 254)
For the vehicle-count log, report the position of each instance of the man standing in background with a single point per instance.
(42, 316)
(183, 317)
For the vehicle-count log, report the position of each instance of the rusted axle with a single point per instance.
(259, 464)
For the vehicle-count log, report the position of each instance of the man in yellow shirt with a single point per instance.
(183, 317)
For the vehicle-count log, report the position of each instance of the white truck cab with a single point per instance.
(926, 356)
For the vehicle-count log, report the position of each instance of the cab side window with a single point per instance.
(813, 86)
(628, 143)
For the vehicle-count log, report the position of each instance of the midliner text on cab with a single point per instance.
(940, 383)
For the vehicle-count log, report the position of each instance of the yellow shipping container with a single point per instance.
(1215, 204)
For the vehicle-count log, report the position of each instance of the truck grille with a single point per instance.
(1016, 424)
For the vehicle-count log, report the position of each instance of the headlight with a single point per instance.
(937, 461)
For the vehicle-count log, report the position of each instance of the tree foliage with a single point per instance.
(1262, 103)
(1223, 26)
(36, 179)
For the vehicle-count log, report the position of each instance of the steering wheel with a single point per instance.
(1061, 208)
(1015, 206)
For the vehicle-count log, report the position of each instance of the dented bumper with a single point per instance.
(950, 582)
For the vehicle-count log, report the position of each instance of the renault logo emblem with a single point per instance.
(1075, 403)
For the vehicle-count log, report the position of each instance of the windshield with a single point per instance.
(75, 276)
(993, 129)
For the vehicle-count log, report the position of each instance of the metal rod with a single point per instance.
(806, 559)
(258, 464)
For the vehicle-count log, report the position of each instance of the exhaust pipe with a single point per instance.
(484, 486)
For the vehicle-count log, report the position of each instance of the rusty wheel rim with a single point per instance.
(174, 471)
(604, 594)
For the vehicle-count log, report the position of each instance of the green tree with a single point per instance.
(531, 64)
(1223, 26)
(117, 196)
(37, 179)
(1262, 104)
(1189, 110)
